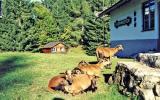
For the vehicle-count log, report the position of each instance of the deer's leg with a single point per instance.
(97, 55)
(93, 85)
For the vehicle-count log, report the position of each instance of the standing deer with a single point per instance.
(106, 52)
(92, 69)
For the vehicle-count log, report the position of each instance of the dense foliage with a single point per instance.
(27, 26)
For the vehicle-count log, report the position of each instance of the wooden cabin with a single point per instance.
(54, 47)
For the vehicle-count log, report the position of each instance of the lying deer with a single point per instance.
(92, 69)
(80, 83)
(83, 63)
(106, 52)
(58, 82)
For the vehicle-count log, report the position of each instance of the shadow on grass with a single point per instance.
(106, 77)
(57, 98)
(93, 62)
(11, 64)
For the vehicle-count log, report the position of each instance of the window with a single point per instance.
(148, 15)
(54, 50)
(0, 8)
(62, 49)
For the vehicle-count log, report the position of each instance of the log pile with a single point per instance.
(138, 79)
(150, 59)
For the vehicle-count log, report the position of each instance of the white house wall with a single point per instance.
(134, 39)
(130, 32)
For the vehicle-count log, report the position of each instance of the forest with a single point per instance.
(27, 26)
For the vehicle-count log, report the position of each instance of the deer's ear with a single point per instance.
(102, 61)
(68, 88)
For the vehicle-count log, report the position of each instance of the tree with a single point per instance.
(26, 25)
(94, 34)
(15, 22)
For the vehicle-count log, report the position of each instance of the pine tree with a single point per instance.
(26, 26)
(15, 22)
(94, 34)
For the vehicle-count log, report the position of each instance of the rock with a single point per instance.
(140, 70)
(147, 94)
(120, 88)
(124, 91)
(138, 79)
(146, 85)
(157, 90)
(110, 80)
(122, 79)
(136, 90)
(131, 82)
(157, 63)
(157, 98)
(150, 59)
(154, 79)
(117, 78)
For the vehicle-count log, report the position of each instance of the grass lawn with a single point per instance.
(25, 76)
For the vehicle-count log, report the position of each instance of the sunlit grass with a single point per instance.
(25, 76)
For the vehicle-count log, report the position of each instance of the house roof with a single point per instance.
(113, 7)
(51, 44)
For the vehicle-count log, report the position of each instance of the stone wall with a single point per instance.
(150, 59)
(138, 79)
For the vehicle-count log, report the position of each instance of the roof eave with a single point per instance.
(48, 47)
(115, 6)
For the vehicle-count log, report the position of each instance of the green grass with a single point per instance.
(25, 76)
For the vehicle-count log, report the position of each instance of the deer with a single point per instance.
(58, 82)
(92, 69)
(81, 82)
(83, 63)
(106, 52)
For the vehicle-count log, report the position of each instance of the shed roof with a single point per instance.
(113, 7)
(51, 44)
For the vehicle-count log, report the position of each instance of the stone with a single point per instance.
(117, 78)
(154, 79)
(157, 90)
(120, 88)
(157, 98)
(131, 82)
(140, 70)
(157, 63)
(147, 85)
(147, 94)
(110, 80)
(122, 79)
(138, 79)
(136, 90)
(150, 59)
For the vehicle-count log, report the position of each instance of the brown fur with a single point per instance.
(83, 63)
(56, 83)
(80, 83)
(93, 69)
(59, 81)
(106, 52)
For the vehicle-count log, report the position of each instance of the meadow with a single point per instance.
(25, 76)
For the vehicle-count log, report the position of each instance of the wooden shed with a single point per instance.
(54, 47)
